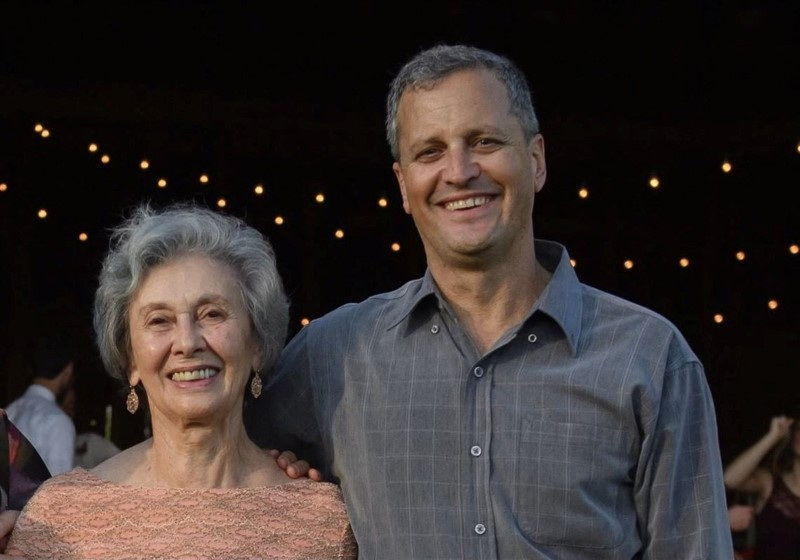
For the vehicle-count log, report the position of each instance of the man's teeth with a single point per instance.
(467, 203)
(193, 375)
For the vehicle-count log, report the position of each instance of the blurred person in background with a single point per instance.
(769, 470)
(91, 448)
(37, 414)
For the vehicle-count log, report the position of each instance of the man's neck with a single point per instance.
(50, 384)
(488, 302)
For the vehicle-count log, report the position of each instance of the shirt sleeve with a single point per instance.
(679, 491)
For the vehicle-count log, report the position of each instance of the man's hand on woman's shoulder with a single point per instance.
(294, 467)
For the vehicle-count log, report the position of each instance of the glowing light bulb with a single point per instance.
(773, 304)
(395, 247)
(204, 178)
(583, 192)
(259, 189)
(718, 318)
(383, 203)
(222, 203)
(83, 236)
(726, 167)
(654, 182)
(279, 220)
(93, 147)
(740, 255)
(144, 164)
(42, 213)
(339, 233)
(104, 158)
(320, 198)
(162, 183)
(684, 262)
(628, 264)
(304, 321)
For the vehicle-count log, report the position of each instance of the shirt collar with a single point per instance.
(415, 292)
(561, 299)
(40, 391)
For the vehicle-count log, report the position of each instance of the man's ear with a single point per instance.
(398, 173)
(67, 373)
(539, 162)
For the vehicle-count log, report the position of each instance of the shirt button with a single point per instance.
(480, 528)
(478, 371)
(531, 337)
(475, 451)
(435, 329)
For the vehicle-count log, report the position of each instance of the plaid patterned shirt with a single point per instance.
(587, 432)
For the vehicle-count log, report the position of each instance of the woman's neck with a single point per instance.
(201, 456)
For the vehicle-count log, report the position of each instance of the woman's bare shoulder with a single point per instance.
(122, 467)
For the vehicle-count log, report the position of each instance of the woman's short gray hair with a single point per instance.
(151, 237)
(432, 65)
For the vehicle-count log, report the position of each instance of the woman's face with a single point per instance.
(192, 345)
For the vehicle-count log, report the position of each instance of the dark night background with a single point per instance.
(292, 97)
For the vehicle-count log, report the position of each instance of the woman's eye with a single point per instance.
(212, 314)
(156, 321)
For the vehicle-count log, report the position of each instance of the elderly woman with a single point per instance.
(189, 312)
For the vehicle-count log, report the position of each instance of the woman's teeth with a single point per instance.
(194, 375)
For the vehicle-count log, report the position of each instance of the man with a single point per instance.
(496, 407)
(37, 413)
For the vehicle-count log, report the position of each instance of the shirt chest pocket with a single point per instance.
(575, 485)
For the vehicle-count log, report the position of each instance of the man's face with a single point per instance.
(466, 174)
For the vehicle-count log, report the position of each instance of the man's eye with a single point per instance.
(485, 142)
(428, 153)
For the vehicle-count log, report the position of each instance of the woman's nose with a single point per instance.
(188, 336)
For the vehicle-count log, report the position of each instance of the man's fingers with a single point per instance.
(298, 469)
(315, 475)
(286, 458)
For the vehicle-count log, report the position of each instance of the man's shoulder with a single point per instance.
(614, 307)
(383, 307)
(634, 322)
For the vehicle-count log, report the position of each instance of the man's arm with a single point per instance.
(680, 496)
(285, 416)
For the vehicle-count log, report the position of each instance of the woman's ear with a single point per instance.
(133, 375)
(256, 362)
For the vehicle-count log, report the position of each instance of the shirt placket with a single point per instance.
(478, 528)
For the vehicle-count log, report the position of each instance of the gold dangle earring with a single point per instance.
(132, 402)
(255, 384)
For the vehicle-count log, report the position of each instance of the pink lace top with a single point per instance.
(80, 516)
